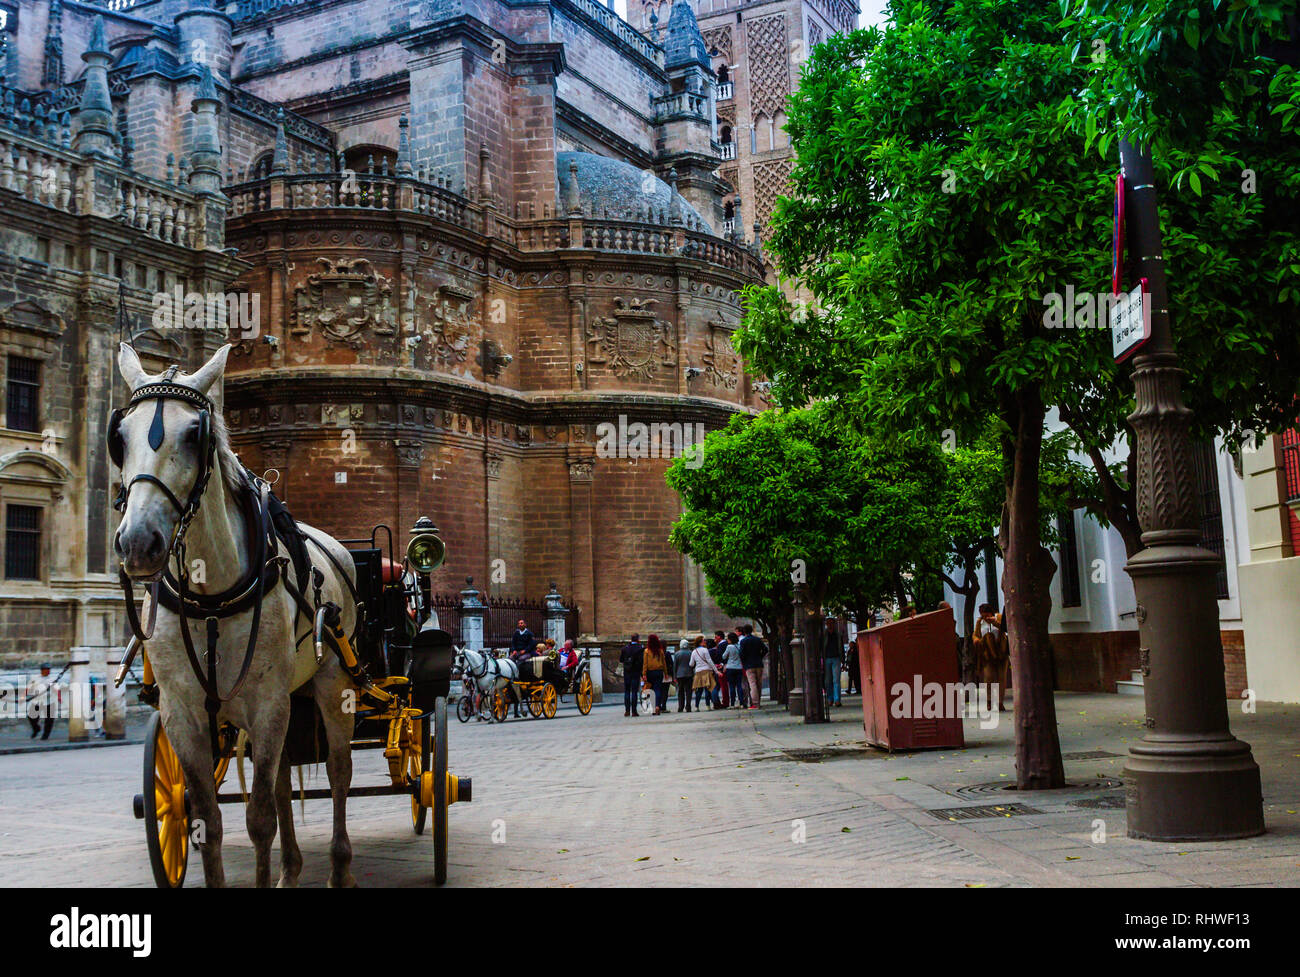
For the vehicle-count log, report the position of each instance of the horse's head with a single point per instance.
(162, 445)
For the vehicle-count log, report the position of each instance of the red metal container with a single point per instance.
(911, 683)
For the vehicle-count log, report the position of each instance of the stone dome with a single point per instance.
(606, 184)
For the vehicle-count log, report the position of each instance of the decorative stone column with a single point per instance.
(555, 615)
(95, 113)
(472, 613)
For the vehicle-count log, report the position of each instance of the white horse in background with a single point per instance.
(160, 442)
(489, 674)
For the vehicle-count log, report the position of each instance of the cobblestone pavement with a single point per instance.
(712, 798)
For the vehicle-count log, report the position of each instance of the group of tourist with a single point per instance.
(722, 672)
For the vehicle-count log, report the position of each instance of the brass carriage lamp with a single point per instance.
(426, 550)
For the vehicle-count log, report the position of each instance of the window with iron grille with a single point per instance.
(1207, 487)
(22, 394)
(22, 542)
(1291, 468)
(1071, 594)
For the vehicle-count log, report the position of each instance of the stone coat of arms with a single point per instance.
(631, 340)
(342, 300)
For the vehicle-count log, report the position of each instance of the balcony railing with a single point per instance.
(37, 164)
(728, 150)
(651, 232)
(724, 91)
(681, 104)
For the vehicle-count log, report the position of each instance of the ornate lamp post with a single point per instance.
(795, 697)
(1189, 778)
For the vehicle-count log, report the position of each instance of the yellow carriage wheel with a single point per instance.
(548, 702)
(584, 694)
(166, 821)
(500, 707)
(535, 703)
(417, 761)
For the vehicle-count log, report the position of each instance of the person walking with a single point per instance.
(684, 671)
(717, 647)
(752, 651)
(735, 673)
(705, 677)
(655, 666)
(632, 658)
(855, 678)
(832, 656)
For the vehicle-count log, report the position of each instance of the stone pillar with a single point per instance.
(555, 615)
(79, 718)
(580, 535)
(114, 697)
(472, 613)
(594, 669)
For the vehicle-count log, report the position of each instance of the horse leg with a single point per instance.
(329, 687)
(268, 750)
(189, 738)
(290, 855)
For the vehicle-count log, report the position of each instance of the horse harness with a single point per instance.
(269, 524)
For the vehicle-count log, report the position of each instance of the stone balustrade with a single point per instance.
(37, 164)
(650, 232)
(681, 104)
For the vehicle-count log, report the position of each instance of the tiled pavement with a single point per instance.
(702, 800)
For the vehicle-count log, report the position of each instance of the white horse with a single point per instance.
(207, 513)
(489, 674)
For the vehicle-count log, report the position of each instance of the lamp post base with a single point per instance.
(794, 702)
(1193, 790)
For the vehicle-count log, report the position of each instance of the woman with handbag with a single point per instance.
(705, 678)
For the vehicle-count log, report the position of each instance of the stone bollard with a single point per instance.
(593, 668)
(114, 699)
(79, 697)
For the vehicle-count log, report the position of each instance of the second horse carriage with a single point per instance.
(537, 682)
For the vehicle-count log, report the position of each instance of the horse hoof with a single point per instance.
(286, 883)
(348, 882)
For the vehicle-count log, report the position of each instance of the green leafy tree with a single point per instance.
(792, 496)
(942, 191)
(1211, 87)
(937, 201)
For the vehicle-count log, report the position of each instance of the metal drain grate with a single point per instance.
(818, 754)
(982, 811)
(1002, 786)
(1090, 755)
(1107, 802)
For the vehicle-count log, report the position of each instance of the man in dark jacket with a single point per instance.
(521, 640)
(631, 658)
(752, 651)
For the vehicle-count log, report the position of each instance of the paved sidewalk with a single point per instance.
(706, 799)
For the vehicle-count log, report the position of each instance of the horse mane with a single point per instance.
(232, 469)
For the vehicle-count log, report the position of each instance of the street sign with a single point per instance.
(1130, 322)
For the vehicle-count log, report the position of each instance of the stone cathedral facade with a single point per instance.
(452, 241)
